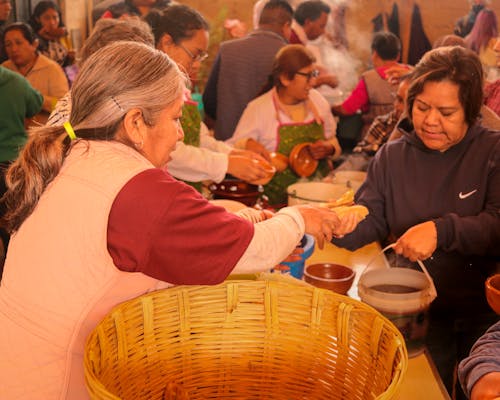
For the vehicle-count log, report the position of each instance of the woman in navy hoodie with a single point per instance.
(436, 193)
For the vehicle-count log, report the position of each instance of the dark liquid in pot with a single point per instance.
(388, 288)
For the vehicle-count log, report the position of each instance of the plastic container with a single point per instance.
(296, 268)
(403, 295)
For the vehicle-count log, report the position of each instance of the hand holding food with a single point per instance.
(321, 149)
(418, 242)
(249, 167)
(320, 222)
(256, 147)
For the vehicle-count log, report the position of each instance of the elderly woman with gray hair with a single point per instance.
(105, 222)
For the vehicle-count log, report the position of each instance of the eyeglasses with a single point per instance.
(313, 74)
(196, 58)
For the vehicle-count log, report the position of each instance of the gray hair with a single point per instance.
(107, 31)
(119, 77)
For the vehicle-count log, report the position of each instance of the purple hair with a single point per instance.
(483, 30)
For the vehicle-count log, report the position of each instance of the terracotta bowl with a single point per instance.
(234, 189)
(270, 171)
(492, 286)
(279, 161)
(335, 277)
(301, 160)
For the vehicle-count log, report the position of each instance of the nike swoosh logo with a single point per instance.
(462, 196)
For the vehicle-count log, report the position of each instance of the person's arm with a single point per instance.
(256, 129)
(166, 230)
(372, 195)
(357, 101)
(58, 87)
(209, 142)
(195, 164)
(33, 99)
(479, 373)
(475, 234)
(330, 147)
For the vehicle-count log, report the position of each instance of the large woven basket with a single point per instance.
(244, 340)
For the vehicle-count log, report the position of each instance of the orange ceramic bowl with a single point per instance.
(279, 161)
(335, 277)
(302, 161)
(270, 171)
(492, 287)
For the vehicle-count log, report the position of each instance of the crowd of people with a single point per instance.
(97, 189)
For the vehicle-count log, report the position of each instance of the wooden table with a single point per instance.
(421, 380)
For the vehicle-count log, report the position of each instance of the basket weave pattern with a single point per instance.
(244, 340)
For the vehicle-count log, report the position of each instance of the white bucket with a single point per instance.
(314, 192)
(403, 295)
(351, 179)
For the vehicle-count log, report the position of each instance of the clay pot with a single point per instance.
(270, 170)
(335, 277)
(279, 161)
(302, 161)
(492, 287)
(234, 189)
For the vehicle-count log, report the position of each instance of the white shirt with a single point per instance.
(259, 120)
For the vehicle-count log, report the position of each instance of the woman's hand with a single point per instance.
(348, 222)
(395, 73)
(242, 165)
(256, 147)
(321, 149)
(418, 242)
(320, 222)
(52, 34)
(487, 387)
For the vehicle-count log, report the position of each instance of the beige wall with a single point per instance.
(438, 16)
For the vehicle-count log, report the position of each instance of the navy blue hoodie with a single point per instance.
(459, 189)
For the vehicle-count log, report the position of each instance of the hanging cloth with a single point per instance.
(386, 22)
(419, 44)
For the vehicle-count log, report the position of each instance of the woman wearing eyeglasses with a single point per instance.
(288, 113)
(182, 33)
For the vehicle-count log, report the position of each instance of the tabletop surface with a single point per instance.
(421, 380)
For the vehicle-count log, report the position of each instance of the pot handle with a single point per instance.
(433, 292)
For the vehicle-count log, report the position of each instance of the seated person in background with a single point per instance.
(436, 191)
(52, 35)
(482, 38)
(18, 101)
(288, 113)
(373, 94)
(241, 68)
(182, 33)
(310, 19)
(120, 225)
(464, 25)
(489, 114)
(187, 162)
(134, 8)
(5, 9)
(479, 373)
(378, 133)
(44, 74)
(492, 89)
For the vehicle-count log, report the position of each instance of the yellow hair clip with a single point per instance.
(69, 130)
